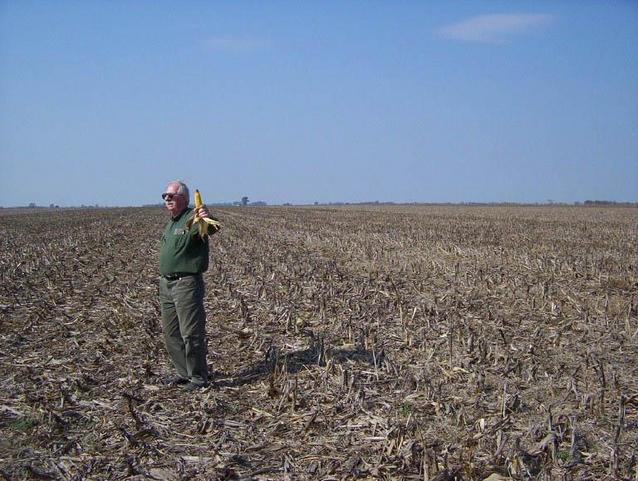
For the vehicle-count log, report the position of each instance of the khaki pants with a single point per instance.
(184, 326)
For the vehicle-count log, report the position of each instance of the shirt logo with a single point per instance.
(178, 231)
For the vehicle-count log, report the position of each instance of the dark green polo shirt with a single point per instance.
(182, 249)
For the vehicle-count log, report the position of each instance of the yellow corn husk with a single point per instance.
(202, 221)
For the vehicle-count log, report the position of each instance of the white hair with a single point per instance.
(182, 189)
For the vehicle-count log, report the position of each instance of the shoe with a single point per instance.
(191, 386)
(175, 381)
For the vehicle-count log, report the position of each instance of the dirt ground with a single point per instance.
(352, 342)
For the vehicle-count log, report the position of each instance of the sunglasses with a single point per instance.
(168, 196)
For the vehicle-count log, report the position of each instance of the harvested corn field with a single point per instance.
(367, 342)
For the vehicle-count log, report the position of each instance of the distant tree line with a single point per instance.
(607, 202)
(246, 202)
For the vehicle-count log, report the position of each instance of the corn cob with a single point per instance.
(202, 221)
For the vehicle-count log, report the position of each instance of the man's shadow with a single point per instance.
(315, 355)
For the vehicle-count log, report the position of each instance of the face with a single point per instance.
(174, 202)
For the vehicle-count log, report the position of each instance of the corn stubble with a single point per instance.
(404, 342)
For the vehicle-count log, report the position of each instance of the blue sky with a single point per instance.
(283, 101)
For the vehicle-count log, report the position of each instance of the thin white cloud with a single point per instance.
(229, 43)
(495, 28)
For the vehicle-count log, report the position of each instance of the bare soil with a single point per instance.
(367, 342)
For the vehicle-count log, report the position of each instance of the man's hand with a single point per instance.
(202, 212)
(207, 225)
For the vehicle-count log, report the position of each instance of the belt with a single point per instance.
(178, 275)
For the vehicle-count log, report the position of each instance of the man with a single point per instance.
(183, 259)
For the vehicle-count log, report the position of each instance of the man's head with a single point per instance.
(176, 197)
